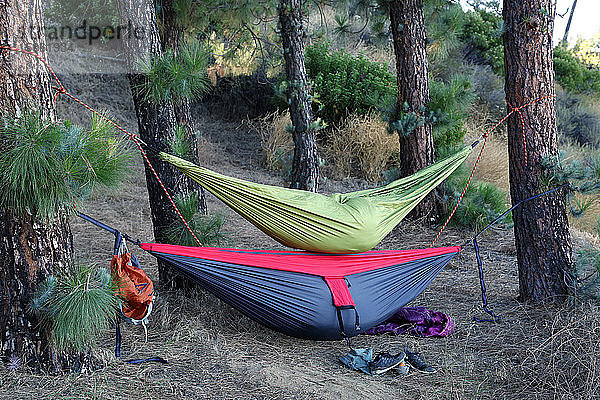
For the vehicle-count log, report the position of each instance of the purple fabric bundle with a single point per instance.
(418, 321)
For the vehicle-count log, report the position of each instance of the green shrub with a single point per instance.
(483, 30)
(77, 305)
(207, 228)
(344, 84)
(482, 202)
(576, 120)
(452, 101)
(573, 74)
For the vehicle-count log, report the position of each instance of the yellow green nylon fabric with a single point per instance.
(340, 223)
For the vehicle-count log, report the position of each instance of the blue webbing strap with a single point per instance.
(135, 360)
(495, 317)
(107, 228)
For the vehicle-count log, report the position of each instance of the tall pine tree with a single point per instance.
(410, 48)
(541, 226)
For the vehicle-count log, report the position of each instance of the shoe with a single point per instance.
(417, 361)
(403, 368)
(385, 361)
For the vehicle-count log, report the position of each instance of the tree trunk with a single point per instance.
(172, 38)
(305, 164)
(410, 48)
(24, 80)
(541, 226)
(30, 249)
(566, 36)
(156, 122)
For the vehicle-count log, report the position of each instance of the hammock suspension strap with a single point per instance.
(484, 301)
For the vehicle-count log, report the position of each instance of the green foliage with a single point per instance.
(446, 111)
(46, 166)
(407, 121)
(226, 16)
(177, 77)
(444, 21)
(582, 173)
(342, 24)
(573, 74)
(239, 33)
(481, 204)
(347, 84)
(180, 143)
(77, 305)
(207, 228)
(452, 100)
(483, 30)
(576, 120)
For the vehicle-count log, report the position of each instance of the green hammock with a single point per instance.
(339, 223)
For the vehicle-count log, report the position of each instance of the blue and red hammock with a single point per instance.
(310, 295)
(302, 294)
(315, 295)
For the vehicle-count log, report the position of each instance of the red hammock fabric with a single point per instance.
(320, 264)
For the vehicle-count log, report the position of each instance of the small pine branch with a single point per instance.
(46, 165)
(207, 228)
(180, 143)
(177, 77)
(77, 305)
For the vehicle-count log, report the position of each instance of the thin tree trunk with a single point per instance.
(172, 38)
(305, 163)
(541, 226)
(566, 36)
(410, 48)
(30, 249)
(156, 122)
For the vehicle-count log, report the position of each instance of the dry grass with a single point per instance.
(493, 167)
(361, 147)
(276, 141)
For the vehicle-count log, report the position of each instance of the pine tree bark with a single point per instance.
(156, 122)
(305, 163)
(541, 227)
(30, 249)
(171, 35)
(410, 48)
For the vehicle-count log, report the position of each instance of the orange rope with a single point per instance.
(60, 89)
(485, 137)
(522, 128)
